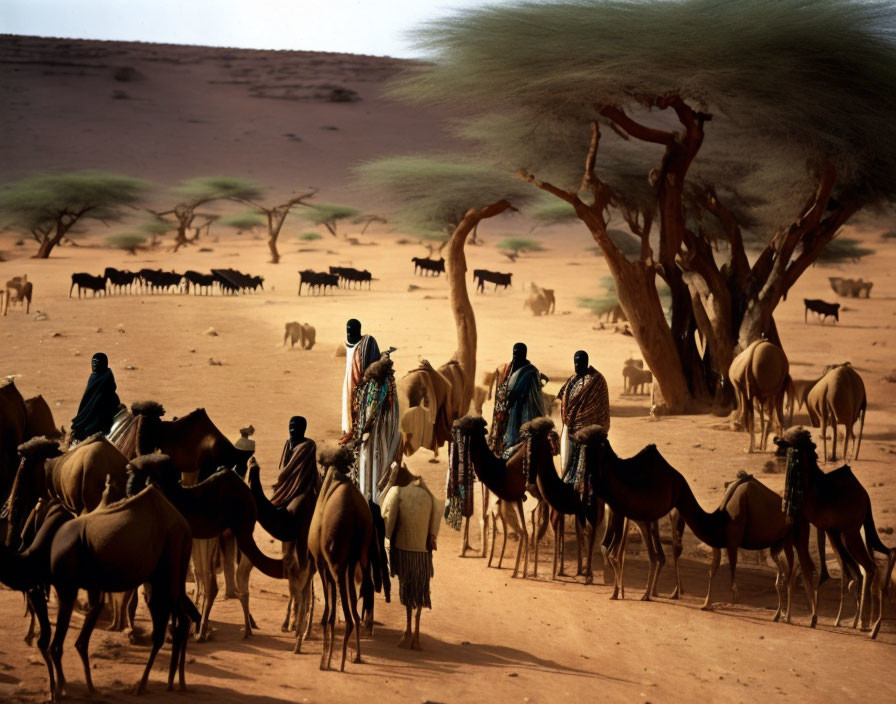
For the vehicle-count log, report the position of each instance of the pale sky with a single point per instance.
(378, 27)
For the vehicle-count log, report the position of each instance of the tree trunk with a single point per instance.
(46, 246)
(459, 299)
(272, 245)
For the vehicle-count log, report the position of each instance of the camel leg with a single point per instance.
(713, 568)
(504, 542)
(342, 580)
(324, 572)
(179, 650)
(780, 587)
(310, 603)
(228, 563)
(557, 569)
(523, 548)
(38, 604)
(210, 590)
(465, 543)
(807, 567)
(65, 606)
(823, 574)
(242, 587)
(659, 555)
(406, 638)
(861, 430)
(589, 555)
(284, 627)
(415, 643)
(621, 555)
(579, 543)
(790, 574)
(353, 610)
(160, 610)
(677, 525)
(856, 549)
(485, 518)
(95, 600)
(837, 547)
(302, 598)
(732, 565)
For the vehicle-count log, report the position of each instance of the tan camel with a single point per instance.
(540, 300)
(338, 541)
(76, 478)
(453, 372)
(837, 503)
(757, 522)
(13, 421)
(302, 333)
(761, 376)
(425, 398)
(115, 548)
(18, 290)
(838, 399)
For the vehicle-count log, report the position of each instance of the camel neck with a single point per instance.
(708, 527)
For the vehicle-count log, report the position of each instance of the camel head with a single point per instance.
(539, 428)
(146, 469)
(800, 440)
(149, 409)
(469, 425)
(597, 446)
(29, 484)
(39, 448)
(379, 370)
(338, 457)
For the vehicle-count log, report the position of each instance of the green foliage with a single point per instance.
(244, 221)
(434, 193)
(518, 245)
(128, 241)
(324, 213)
(788, 83)
(310, 236)
(157, 227)
(553, 211)
(196, 191)
(37, 203)
(843, 249)
(627, 243)
(607, 298)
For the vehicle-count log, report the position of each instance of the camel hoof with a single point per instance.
(29, 640)
(231, 595)
(246, 633)
(284, 628)
(706, 607)
(416, 645)
(646, 597)
(405, 642)
(813, 622)
(776, 618)
(252, 622)
(589, 579)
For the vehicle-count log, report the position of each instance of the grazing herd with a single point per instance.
(18, 291)
(851, 288)
(154, 281)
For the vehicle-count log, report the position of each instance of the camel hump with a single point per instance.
(40, 446)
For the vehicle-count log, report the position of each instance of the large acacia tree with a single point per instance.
(705, 125)
(48, 205)
(438, 195)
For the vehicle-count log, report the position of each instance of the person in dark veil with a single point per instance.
(99, 404)
(298, 464)
(518, 400)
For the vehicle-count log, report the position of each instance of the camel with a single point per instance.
(542, 443)
(18, 290)
(540, 300)
(837, 503)
(338, 540)
(425, 398)
(39, 420)
(635, 379)
(76, 478)
(302, 333)
(454, 373)
(142, 539)
(221, 502)
(289, 524)
(125, 435)
(644, 488)
(761, 375)
(838, 399)
(757, 523)
(801, 389)
(507, 480)
(13, 421)
(197, 449)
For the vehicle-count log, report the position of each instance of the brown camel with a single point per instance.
(39, 420)
(13, 419)
(221, 502)
(757, 523)
(302, 333)
(542, 444)
(837, 503)
(338, 540)
(290, 524)
(452, 371)
(134, 541)
(838, 399)
(197, 449)
(507, 480)
(76, 478)
(761, 376)
(644, 488)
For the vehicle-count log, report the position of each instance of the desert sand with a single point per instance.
(198, 112)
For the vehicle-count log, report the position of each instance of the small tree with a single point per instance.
(310, 236)
(128, 241)
(512, 247)
(276, 215)
(329, 215)
(843, 249)
(241, 222)
(368, 220)
(155, 228)
(441, 196)
(196, 192)
(48, 205)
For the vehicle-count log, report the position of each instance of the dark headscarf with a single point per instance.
(99, 404)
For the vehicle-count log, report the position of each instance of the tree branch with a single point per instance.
(636, 129)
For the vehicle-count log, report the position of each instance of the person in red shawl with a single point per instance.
(298, 464)
(584, 401)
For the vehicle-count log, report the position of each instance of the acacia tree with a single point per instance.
(276, 215)
(48, 205)
(748, 121)
(329, 215)
(436, 195)
(197, 192)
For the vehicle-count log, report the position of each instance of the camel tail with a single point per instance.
(791, 399)
(861, 426)
(267, 565)
(274, 520)
(872, 539)
(189, 608)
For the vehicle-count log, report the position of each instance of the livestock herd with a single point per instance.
(155, 281)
